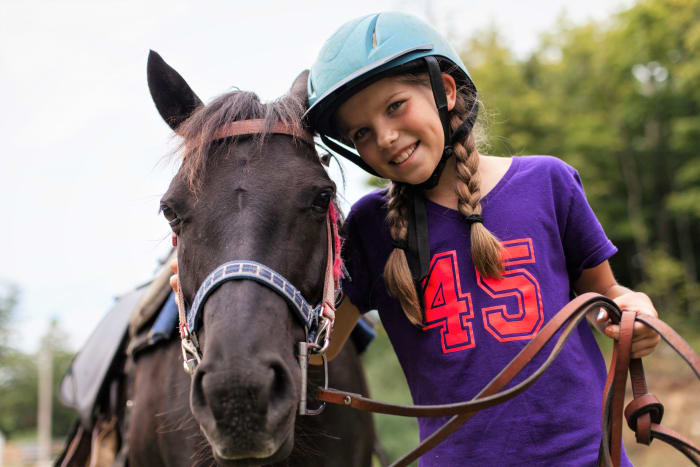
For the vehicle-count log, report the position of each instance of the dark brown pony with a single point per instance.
(261, 198)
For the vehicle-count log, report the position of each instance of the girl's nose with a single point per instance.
(386, 136)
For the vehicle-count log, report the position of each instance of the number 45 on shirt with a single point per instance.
(516, 313)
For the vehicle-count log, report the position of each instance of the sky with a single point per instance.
(83, 160)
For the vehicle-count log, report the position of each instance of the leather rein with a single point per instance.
(315, 319)
(643, 413)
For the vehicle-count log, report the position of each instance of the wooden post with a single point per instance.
(45, 394)
(2, 447)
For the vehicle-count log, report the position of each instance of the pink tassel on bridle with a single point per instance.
(337, 245)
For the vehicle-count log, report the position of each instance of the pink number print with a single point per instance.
(446, 306)
(517, 288)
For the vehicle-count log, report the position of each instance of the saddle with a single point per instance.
(94, 381)
(84, 380)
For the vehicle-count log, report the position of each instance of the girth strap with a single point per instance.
(564, 322)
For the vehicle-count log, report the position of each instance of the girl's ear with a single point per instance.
(450, 90)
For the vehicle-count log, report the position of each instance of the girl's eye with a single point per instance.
(395, 106)
(359, 134)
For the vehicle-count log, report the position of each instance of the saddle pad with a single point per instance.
(82, 382)
(164, 327)
(152, 301)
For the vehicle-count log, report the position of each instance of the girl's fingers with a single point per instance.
(642, 331)
(612, 331)
(173, 282)
(643, 338)
(642, 348)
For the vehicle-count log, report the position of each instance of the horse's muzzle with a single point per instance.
(247, 412)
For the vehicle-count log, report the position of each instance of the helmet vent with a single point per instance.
(374, 36)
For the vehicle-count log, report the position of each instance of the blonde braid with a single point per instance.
(485, 247)
(397, 274)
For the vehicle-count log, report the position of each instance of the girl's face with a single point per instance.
(395, 126)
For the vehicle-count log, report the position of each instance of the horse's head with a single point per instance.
(263, 198)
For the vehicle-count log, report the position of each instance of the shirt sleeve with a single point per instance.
(357, 286)
(584, 240)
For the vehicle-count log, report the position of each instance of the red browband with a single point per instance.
(257, 126)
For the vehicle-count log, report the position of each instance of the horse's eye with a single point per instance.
(169, 215)
(322, 200)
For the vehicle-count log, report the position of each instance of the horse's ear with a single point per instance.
(299, 89)
(173, 97)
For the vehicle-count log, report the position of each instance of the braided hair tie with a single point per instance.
(472, 218)
(401, 244)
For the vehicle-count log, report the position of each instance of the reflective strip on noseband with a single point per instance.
(237, 270)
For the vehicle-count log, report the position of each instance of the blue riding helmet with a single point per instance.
(372, 47)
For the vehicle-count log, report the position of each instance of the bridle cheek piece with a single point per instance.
(317, 320)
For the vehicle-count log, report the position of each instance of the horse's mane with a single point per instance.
(199, 129)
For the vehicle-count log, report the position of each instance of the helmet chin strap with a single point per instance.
(438, 88)
(417, 244)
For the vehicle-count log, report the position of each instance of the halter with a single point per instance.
(315, 319)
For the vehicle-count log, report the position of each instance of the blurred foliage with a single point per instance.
(19, 377)
(8, 301)
(621, 103)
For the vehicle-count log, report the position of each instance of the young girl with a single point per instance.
(465, 255)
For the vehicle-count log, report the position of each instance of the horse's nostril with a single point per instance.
(281, 386)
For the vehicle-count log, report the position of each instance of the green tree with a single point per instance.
(19, 376)
(620, 102)
(8, 302)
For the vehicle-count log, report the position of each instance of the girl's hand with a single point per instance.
(644, 339)
(174, 279)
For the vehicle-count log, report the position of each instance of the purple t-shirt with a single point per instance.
(475, 326)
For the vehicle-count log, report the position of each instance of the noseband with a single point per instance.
(317, 323)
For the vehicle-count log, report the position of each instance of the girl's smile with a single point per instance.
(394, 125)
(405, 154)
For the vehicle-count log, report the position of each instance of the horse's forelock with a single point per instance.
(198, 130)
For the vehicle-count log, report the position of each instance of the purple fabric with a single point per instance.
(539, 211)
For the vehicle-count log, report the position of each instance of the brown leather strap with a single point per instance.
(566, 321)
(621, 356)
(568, 318)
(690, 450)
(257, 126)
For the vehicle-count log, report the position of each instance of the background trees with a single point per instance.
(621, 103)
(19, 377)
